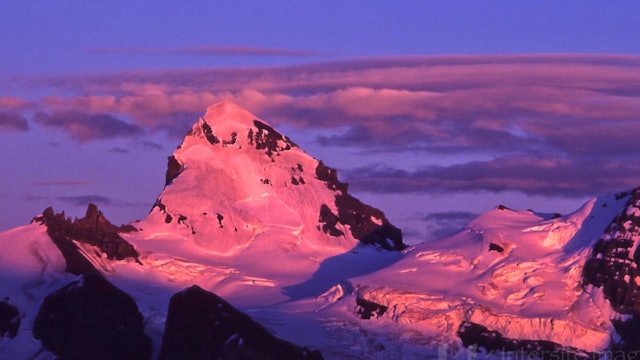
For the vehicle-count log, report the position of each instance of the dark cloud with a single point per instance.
(395, 135)
(119, 150)
(204, 51)
(62, 183)
(596, 138)
(175, 124)
(11, 121)
(437, 137)
(450, 216)
(84, 200)
(85, 127)
(150, 145)
(357, 135)
(145, 145)
(441, 224)
(35, 198)
(530, 175)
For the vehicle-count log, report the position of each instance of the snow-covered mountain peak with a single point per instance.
(229, 110)
(230, 125)
(235, 181)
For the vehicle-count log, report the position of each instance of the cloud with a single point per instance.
(119, 150)
(84, 200)
(427, 73)
(531, 175)
(62, 183)
(450, 216)
(204, 51)
(542, 124)
(11, 121)
(442, 224)
(150, 145)
(14, 103)
(428, 93)
(85, 127)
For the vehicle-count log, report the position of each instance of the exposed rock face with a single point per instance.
(268, 138)
(59, 228)
(615, 259)
(365, 309)
(9, 320)
(329, 220)
(201, 325)
(473, 334)
(367, 224)
(91, 319)
(93, 229)
(208, 133)
(174, 168)
(496, 247)
(615, 267)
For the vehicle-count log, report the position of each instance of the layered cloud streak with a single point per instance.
(540, 124)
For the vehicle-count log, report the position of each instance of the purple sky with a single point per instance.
(433, 111)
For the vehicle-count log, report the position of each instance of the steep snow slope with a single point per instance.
(515, 272)
(31, 267)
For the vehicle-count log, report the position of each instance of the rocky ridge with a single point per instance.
(614, 266)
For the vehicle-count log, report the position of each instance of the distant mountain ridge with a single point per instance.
(248, 217)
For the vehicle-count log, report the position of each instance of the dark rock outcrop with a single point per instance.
(473, 334)
(365, 309)
(615, 269)
(58, 229)
(91, 319)
(612, 266)
(267, 138)
(329, 220)
(232, 141)
(357, 215)
(360, 219)
(496, 247)
(9, 320)
(93, 229)
(629, 332)
(208, 133)
(174, 168)
(330, 177)
(201, 325)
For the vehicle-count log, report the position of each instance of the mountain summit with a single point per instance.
(234, 179)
